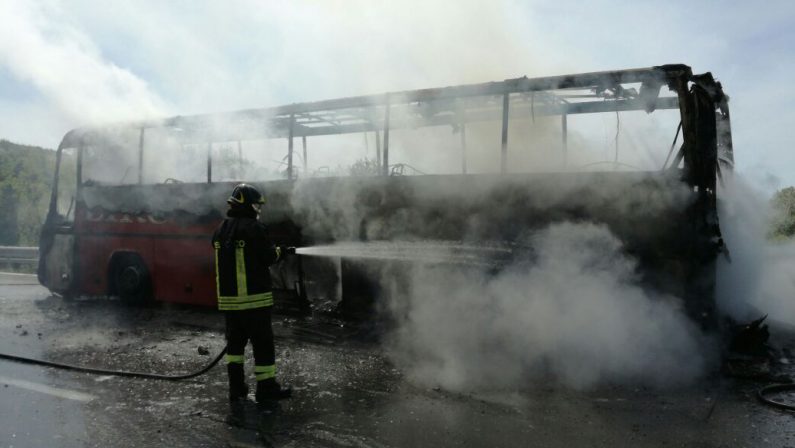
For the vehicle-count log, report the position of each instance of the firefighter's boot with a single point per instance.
(237, 382)
(269, 389)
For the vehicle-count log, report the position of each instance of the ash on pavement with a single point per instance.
(347, 393)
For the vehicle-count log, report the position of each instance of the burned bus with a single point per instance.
(640, 151)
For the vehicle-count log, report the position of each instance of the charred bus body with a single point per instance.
(123, 221)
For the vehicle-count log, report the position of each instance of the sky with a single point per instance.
(65, 64)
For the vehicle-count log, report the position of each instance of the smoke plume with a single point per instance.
(38, 44)
(759, 278)
(575, 313)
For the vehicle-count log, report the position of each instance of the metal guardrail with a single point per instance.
(19, 255)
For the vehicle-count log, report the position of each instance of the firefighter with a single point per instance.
(243, 254)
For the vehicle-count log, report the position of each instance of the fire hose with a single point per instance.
(764, 393)
(124, 373)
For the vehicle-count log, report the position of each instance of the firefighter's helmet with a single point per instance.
(245, 195)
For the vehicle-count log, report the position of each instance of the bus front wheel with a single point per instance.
(132, 280)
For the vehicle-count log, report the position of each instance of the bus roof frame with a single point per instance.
(706, 144)
(444, 98)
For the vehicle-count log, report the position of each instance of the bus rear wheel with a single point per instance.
(132, 280)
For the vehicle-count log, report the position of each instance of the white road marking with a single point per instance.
(44, 389)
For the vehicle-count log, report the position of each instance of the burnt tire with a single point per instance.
(131, 280)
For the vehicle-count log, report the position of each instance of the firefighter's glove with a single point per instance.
(289, 250)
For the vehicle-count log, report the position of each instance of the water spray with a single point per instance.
(430, 252)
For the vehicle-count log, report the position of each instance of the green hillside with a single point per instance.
(26, 174)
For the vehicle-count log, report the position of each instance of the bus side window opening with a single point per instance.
(67, 184)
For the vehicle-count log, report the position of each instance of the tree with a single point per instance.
(783, 223)
(26, 174)
(9, 232)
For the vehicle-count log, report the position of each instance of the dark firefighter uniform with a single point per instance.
(243, 254)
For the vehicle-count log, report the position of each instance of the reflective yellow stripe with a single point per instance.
(234, 359)
(265, 295)
(240, 266)
(245, 303)
(217, 246)
(265, 372)
(244, 306)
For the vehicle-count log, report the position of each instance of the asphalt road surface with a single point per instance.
(347, 393)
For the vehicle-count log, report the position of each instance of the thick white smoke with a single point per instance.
(94, 61)
(576, 313)
(39, 45)
(760, 278)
